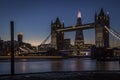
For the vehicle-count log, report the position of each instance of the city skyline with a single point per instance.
(33, 17)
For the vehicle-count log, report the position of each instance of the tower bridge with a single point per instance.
(101, 25)
(101, 34)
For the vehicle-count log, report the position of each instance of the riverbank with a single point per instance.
(32, 57)
(66, 75)
(43, 57)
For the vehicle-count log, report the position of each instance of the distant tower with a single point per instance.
(79, 39)
(20, 38)
(1, 45)
(101, 34)
(57, 38)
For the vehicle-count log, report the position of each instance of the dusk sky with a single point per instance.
(33, 17)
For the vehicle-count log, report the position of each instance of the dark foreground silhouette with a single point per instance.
(77, 75)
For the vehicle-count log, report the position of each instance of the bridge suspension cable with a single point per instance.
(24, 50)
(43, 42)
(29, 49)
(115, 34)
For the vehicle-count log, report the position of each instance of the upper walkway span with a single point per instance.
(76, 27)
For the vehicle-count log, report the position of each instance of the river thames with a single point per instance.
(49, 65)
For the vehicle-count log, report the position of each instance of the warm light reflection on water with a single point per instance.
(48, 65)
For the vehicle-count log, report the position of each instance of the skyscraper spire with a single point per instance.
(79, 22)
(79, 14)
(79, 39)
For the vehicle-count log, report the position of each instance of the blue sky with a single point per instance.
(33, 17)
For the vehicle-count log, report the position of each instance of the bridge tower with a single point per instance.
(57, 38)
(79, 39)
(101, 34)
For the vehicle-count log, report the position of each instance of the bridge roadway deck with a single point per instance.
(66, 75)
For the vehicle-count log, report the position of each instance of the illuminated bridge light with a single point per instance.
(73, 26)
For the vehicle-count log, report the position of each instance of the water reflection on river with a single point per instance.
(48, 65)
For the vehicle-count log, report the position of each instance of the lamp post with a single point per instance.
(12, 47)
